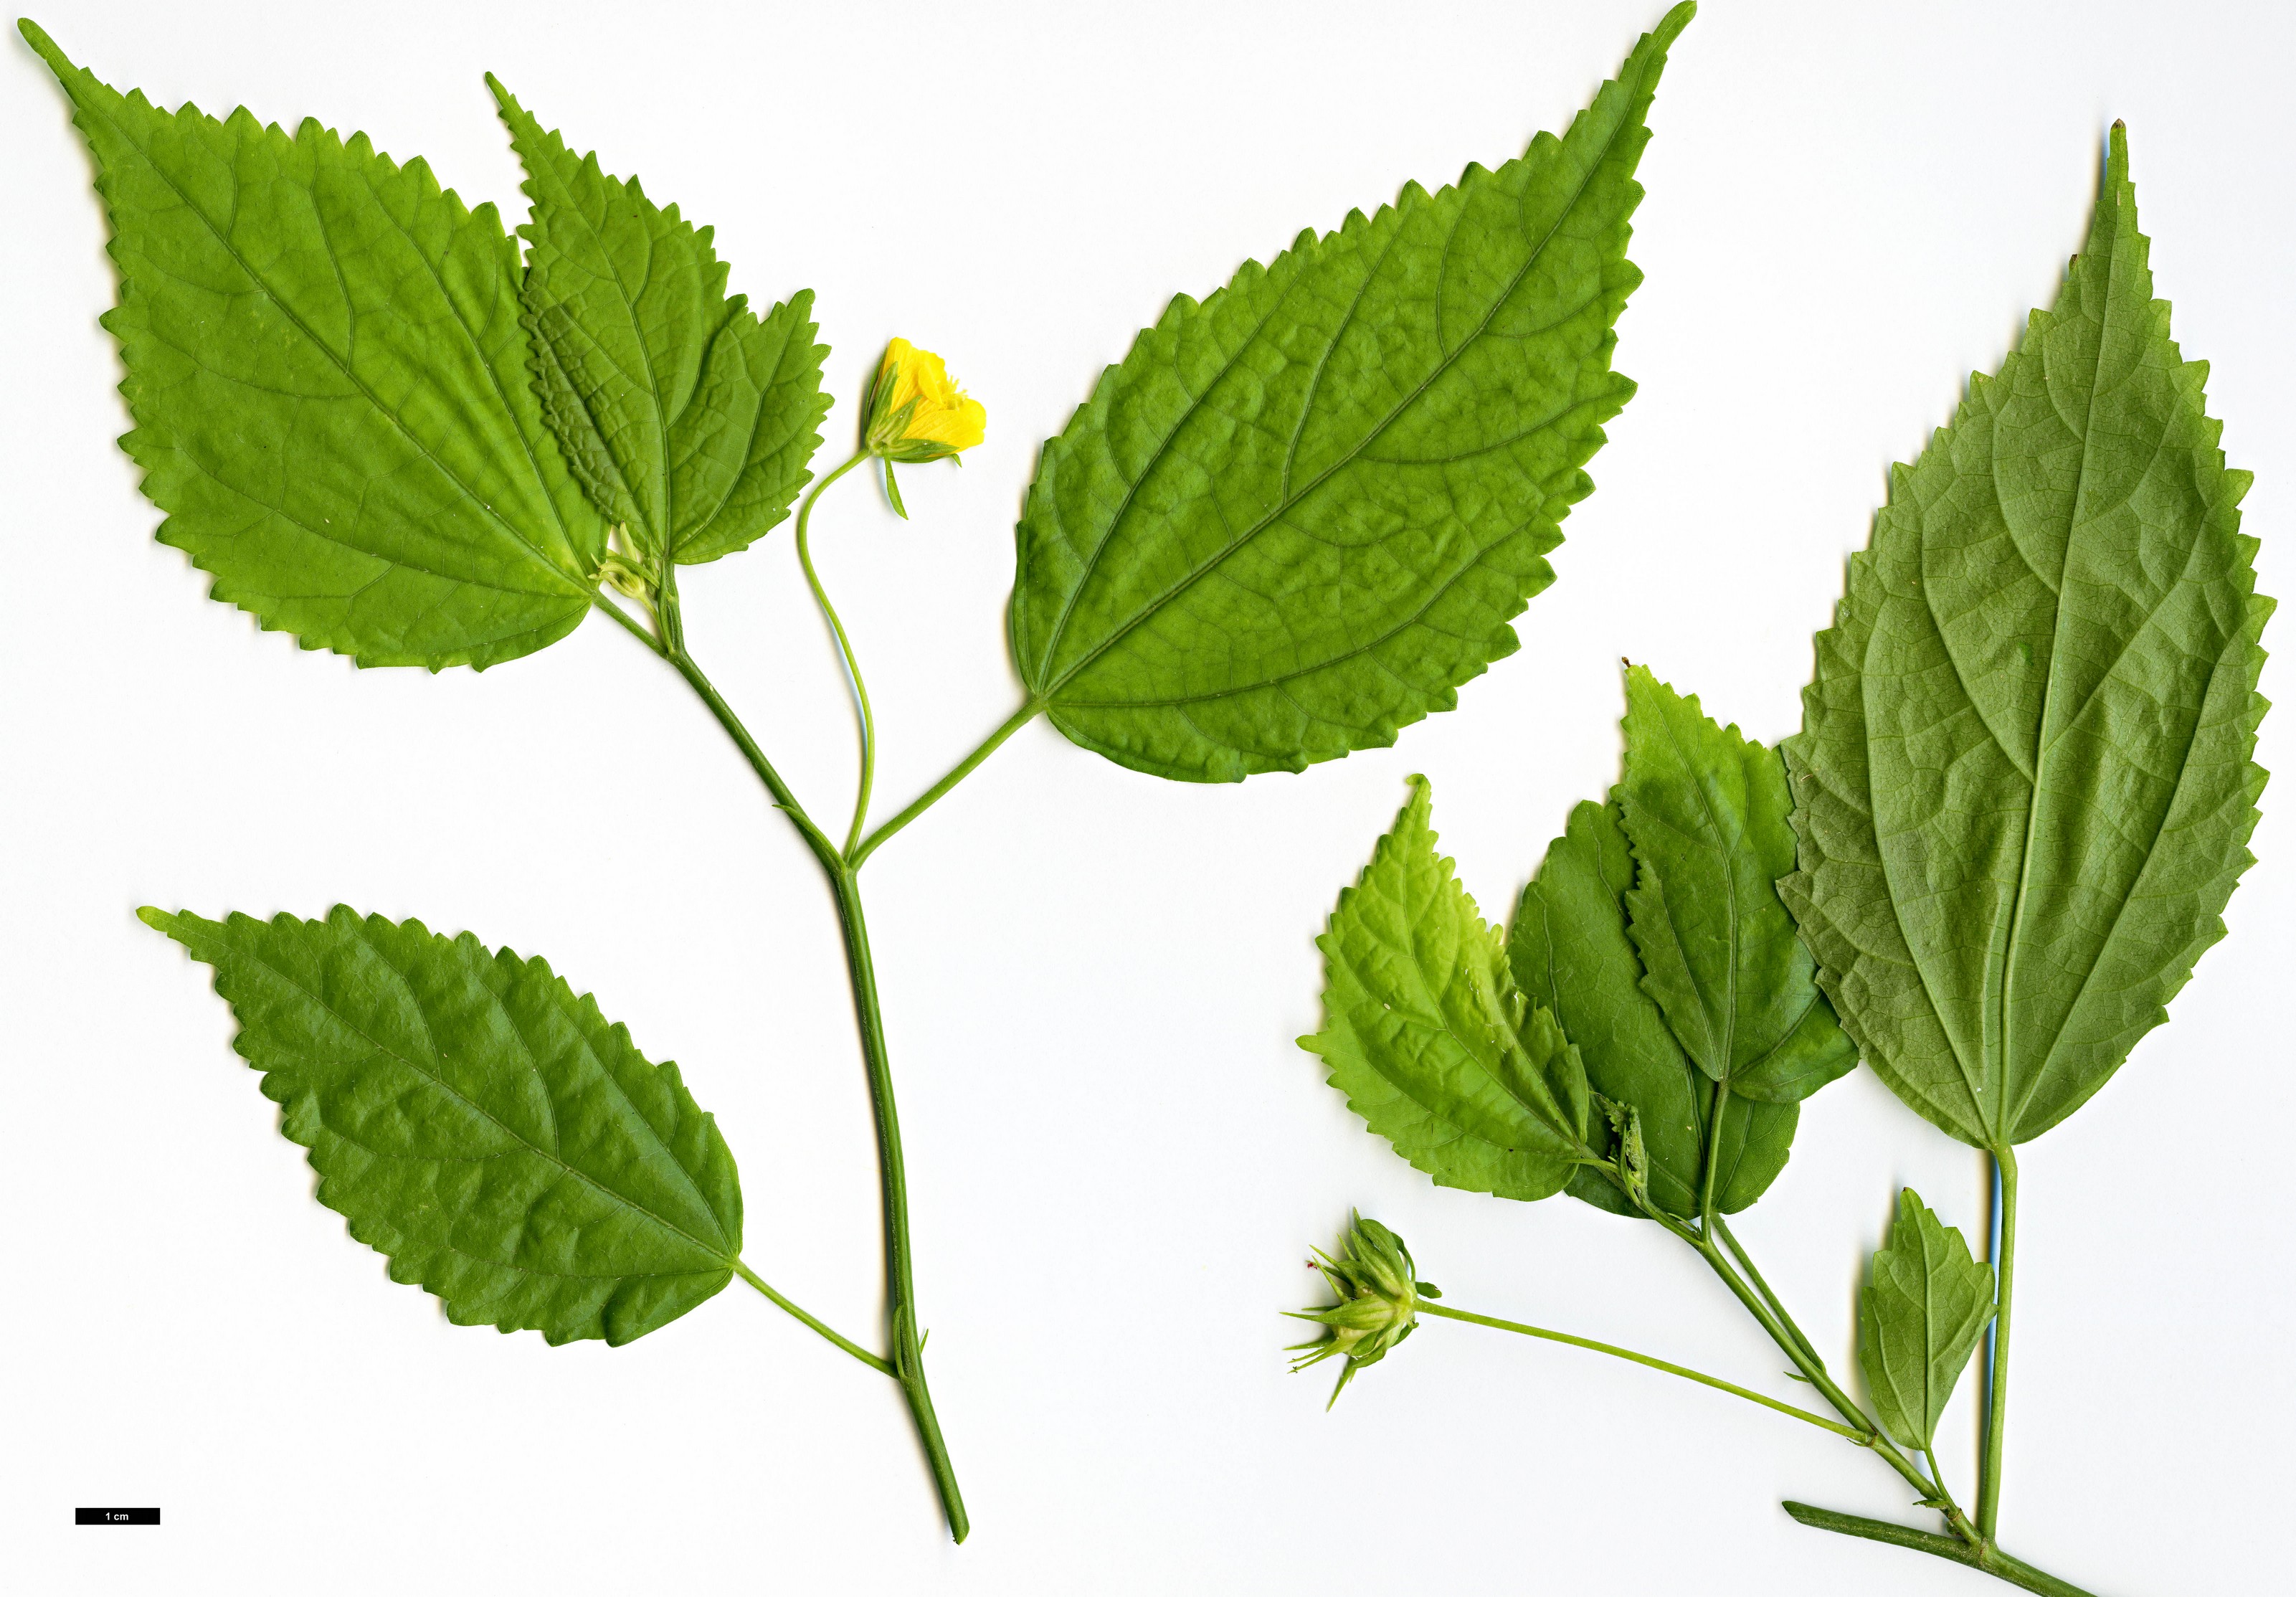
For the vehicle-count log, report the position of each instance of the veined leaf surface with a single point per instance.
(1705, 812)
(2023, 783)
(1425, 1032)
(507, 1147)
(1303, 512)
(1925, 1304)
(330, 387)
(1569, 953)
(686, 415)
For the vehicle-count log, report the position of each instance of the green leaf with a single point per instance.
(687, 417)
(2023, 783)
(1570, 954)
(1926, 1303)
(329, 383)
(1425, 1032)
(510, 1150)
(1303, 512)
(1705, 810)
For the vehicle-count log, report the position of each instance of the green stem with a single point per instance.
(1788, 1336)
(1989, 1558)
(1719, 1384)
(964, 768)
(799, 1314)
(1776, 1306)
(824, 850)
(900, 1289)
(1996, 1402)
(907, 1362)
(846, 657)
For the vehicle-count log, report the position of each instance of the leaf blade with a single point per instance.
(1570, 953)
(1425, 1032)
(328, 383)
(1926, 1303)
(2024, 783)
(685, 414)
(1350, 396)
(507, 1148)
(1705, 811)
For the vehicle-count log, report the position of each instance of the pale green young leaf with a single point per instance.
(2023, 783)
(1705, 811)
(1424, 1031)
(474, 1119)
(330, 387)
(687, 417)
(1925, 1304)
(1303, 512)
(1570, 954)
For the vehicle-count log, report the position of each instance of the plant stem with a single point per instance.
(964, 768)
(900, 1289)
(1788, 1336)
(824, 850)
(1989, 1558)
(791, 1309)
(908, 1362)
(845, 655)
(1997, 1384)
(1762, 1288)
(1719, 1384)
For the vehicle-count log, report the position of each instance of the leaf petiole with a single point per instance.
(879, 1365)
(1997, 1367)
(1028, 712)
(600, 602)
(1717, 1382)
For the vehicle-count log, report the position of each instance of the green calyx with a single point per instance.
(1378, 1301)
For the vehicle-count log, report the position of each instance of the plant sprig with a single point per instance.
(397, 431)
(2021, 798)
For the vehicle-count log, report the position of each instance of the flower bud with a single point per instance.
(1378, 1300)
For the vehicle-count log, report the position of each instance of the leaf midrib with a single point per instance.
(1498, 301)
(2045, 745)
(261, 956)
(263, 287)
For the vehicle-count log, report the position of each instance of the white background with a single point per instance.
(1093, 978)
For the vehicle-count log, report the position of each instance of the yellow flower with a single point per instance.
(917, 411)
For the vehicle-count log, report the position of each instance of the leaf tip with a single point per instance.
(42, 45)
(156, 918)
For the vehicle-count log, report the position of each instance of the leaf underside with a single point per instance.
(1706, 811)
(475, 1121)
(686, 416)
(2023, 784)
(1570, 953)
(1301, 513)
(329, 382)
(1424, 1031)
(1925, 1304)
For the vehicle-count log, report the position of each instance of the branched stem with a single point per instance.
(1644, 1359)
(907, 1363)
